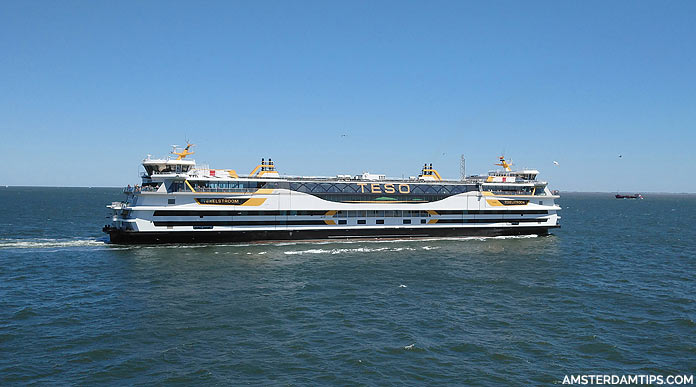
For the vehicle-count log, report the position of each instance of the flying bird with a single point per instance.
(555, 162)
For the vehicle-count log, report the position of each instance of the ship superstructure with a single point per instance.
(179, 201)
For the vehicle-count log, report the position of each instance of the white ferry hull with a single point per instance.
(182, 204)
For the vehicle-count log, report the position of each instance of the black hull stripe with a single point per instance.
(131, 237)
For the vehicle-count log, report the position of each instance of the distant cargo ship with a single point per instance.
(180, 202)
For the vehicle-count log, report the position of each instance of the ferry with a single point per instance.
(179, 201)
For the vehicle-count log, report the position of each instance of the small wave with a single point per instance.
(48, 243)
(24, 313)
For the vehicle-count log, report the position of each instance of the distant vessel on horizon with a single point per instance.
(182, 202)
(634, 196)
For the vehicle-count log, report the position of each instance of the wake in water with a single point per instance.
(376, 240)
(48, 243)
(342, 251)
(68, 243)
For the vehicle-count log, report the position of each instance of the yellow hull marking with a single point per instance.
(330, 221)
(189, 185)
(494, 203)
(254, 202)
(432, 221)
(263, 191)
(432, 212)
(331, 213)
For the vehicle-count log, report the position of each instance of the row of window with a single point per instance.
(356, 192)
(363, 198)
(217, 186)
(163, 168)
(326, 188)
(338, 214)
(513, 190)
(382, 214)
(349, 214)
(378, 189)
(208, 224)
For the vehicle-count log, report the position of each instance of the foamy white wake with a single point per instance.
(342, 251)
(64, 243)
(48, 243)
(412, 242)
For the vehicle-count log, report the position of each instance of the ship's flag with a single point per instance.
(212, 172)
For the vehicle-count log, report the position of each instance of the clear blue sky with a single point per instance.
(88, 88)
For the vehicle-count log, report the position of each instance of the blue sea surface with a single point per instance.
(611, 292)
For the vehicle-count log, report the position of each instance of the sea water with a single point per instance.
(611, 292)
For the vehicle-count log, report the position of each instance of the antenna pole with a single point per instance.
(462, 168)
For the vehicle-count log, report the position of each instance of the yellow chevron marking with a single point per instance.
(330, 213)
(233, 173)
(432, 221)
(263, 191)
(494, 202)
(432, 212)
(330, 221)
(254, 202)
